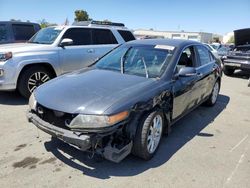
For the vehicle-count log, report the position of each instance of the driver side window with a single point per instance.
(187, 58)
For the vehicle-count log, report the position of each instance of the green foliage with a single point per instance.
(81, 15)
(231, 40)
(44, 23)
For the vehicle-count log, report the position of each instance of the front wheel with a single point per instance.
(148, 135)
(31, 78)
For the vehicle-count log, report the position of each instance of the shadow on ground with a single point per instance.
(12, 98)
(182, 132)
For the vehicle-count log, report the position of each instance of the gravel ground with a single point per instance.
(210, 147)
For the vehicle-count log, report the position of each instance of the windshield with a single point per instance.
(148, 61)
(46, 35)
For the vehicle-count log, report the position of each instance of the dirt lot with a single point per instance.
(208, 148)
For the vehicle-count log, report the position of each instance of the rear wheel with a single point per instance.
(31, 78)
(228, 71)
(148, 135)
(214, 95)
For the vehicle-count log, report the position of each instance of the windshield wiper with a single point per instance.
(145, 67)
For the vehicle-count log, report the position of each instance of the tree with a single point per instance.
(14, 20)
(231, 40)
(81, 15)
(44, 23)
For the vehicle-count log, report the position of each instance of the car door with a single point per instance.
(103, 42)
(206, 68)
(186, 89)
(79, 54)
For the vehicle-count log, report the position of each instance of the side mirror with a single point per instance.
(187, 71)
(66, 42)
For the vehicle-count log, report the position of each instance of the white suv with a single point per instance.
(57, 50)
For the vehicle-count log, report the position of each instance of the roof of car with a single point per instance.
(170, 42)
(17, 22)
(93, 26)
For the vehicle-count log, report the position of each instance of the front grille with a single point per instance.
(56, 118)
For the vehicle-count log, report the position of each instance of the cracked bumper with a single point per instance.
(82, 141)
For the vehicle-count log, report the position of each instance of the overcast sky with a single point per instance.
(217, 16)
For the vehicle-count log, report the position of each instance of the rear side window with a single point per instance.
(126, 35)
(204, 55)
(79, 36)
(103, 36)
(3, 33)
(23, 32)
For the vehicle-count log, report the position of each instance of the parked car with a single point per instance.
(12, 31)
(214, 51)
(56, 50)
(239, 58)
(125, 101)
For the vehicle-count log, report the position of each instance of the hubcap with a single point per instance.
(154, 134)
(215, 92)
(36, 80)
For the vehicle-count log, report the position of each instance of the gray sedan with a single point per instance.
(129, 98)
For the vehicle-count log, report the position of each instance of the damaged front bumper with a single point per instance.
(82, 141)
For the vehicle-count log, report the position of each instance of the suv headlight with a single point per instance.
(5, 56)
(96, 121)
(32, 102)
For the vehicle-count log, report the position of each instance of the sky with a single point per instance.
(216, 16)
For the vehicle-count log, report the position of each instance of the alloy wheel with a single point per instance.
(36, 80)
(154, 134)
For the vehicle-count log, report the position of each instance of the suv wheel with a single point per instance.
(148, 135)
(228, 71)
(31, 78)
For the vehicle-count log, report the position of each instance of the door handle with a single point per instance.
(90, 50)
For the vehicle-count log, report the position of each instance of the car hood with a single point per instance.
(242, 37)
(90, 91)
(21, 47)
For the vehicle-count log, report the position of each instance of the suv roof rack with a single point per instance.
(99, 23)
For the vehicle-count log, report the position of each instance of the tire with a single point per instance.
(214, 95)
(143, 146)
(228, 71)
(31, 78)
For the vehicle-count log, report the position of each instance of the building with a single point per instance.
(196, 36)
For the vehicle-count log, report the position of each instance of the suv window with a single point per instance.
(3, 33)
(126, 35)
(23, 32)
(80, 36)
(204, 55)
(103, 36)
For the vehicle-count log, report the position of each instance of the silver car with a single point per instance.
(56, 50)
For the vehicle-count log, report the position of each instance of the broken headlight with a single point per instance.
(96, 121)
(32, 102)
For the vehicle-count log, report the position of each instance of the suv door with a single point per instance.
(186, 89)
(79, 54)
(207, 66)
(103, 41)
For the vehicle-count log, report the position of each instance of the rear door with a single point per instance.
(207, 66)
(79, 54)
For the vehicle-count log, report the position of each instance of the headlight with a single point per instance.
(32, 102)
(94, 121)
(5, 56)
